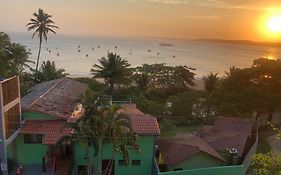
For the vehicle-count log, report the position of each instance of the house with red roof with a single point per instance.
(141, 163)
(41, 148)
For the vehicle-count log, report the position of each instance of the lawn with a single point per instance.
(173, 131)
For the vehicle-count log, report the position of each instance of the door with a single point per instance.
(108, 167)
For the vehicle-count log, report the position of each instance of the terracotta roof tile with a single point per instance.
(142, 124)
(52, 130)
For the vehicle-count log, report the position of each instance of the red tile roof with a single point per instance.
(177, 150)
(56, 97)
(142, 124)
(52, 130)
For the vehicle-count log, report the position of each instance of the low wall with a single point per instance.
(222, 170)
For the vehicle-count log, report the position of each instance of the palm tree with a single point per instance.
(100, 125)
(19, 59)
(113, 69)
(48, 71)
(210, 82)
(42, 24)
(143, 81)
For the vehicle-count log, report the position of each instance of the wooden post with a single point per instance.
(3, 151)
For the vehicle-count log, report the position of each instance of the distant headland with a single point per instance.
(244, 42)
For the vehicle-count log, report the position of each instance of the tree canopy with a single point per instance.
(163, 76)
(114, 69)
(256, 88)
(48, 71)
(13, 57)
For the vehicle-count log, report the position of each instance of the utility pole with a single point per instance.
(3, 151)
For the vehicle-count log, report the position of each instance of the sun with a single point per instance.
(269, 25)
(274, 24)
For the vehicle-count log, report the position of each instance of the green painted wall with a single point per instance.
(35, 115)
(30, 153)
(146, 154)
(222, 170)
(10, 151)
(199, 160)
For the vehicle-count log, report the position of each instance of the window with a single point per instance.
(136, 162)
(122, 163)
(178, 169)
(32, 138)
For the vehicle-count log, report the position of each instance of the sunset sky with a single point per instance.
(224, 19)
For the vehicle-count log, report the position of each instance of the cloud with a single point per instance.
(203, 17)
(259, 5)
(169, 1)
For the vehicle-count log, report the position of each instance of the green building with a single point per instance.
(142, 163)
(188, 152)
(40, 146)
(226, 147)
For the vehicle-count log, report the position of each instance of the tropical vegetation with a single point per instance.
(48, 71)
(103, 124)
(42, 25)
(114, 69)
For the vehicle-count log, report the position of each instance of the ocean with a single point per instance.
(77, 54)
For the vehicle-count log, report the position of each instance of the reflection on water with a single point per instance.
(78, 54)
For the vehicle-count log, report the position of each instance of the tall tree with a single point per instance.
(13, 57)
(113, 69)
(5, 45)
(42, 24)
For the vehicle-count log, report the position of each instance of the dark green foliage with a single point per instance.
(113, 69)
(5, 44)
(266, 164)
(243, 91)
(93, 84)
(13, 57)
(48, 71)
(210, 82)
(14, 61)
(154, 108)
(161, 76)
(102, 124)
(191, 107)
(126, 94)
(26, 82)
(142, 81)
(42, 25)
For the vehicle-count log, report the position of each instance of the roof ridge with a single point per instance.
(62, 79)
(213, 152)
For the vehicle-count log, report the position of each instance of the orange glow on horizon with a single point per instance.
(270, 25)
